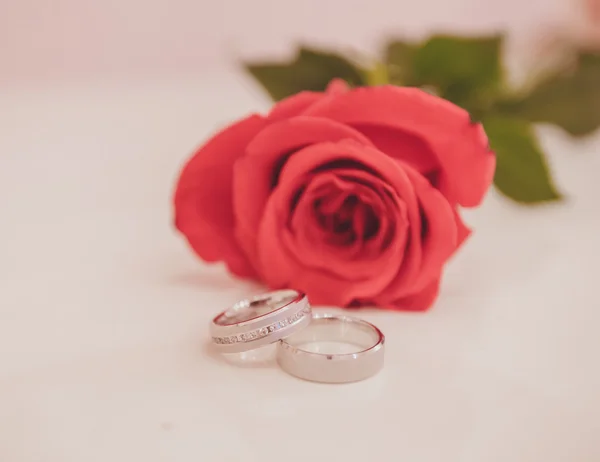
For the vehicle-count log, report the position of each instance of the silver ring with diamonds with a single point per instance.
(260, 320)
(333, 349)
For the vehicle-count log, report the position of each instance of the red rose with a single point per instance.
(349, 195)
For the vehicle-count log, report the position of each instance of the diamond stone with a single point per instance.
(262, 331)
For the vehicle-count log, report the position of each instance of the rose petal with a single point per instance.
(203, 196)
(401, 145)
(460, 146)
(305, 231)
(297, 104)
(386, 167)
(279, 257)
(255, 173)
(337, 87)
(383, 200)
(281, 268)
(294, 105)
(373, 193)
(312, 247)
(440, 238)
(438, 243)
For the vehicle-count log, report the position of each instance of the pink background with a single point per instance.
(83, 38)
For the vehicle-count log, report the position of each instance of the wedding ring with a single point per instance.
(260, 320)
(333, 349)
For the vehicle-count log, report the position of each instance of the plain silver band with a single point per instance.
(291, 313)
(333, 368)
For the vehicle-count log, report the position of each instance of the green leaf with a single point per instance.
(377, 75)
(399, 57)
(521, 170)
(309, 70)
(464, 70)
(569, 99)
(446, 60)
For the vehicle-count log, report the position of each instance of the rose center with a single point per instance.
(346, 218)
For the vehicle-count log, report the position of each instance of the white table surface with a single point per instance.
(103, 309)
